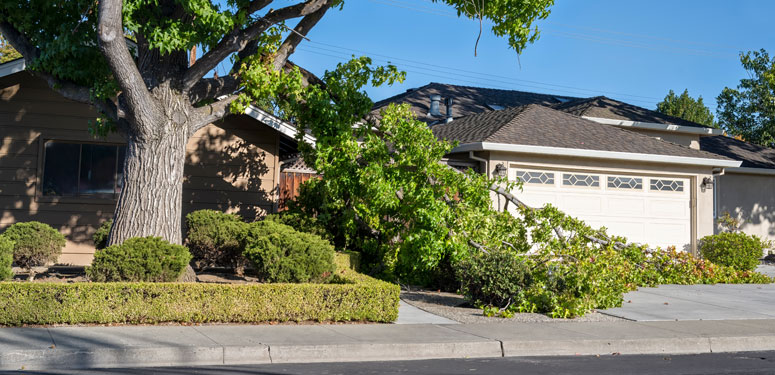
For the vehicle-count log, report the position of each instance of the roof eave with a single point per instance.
(749, 170)
(12, 67)
(656, 126)
(276, 123)
(596, 154)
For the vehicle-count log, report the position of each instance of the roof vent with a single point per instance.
(448, 103)
(495, 107)
(561, 99)
(435, 104)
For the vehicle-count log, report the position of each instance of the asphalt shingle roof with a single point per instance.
(603, 107)
(752, 156)
(537, 125)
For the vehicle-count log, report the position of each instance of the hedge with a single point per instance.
(355, 297)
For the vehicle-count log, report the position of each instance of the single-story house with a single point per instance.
(53, 171)
(651, 177)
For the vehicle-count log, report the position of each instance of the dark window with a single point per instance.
(88, 169)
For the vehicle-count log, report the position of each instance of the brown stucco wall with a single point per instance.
(748, 197)
(230, 166)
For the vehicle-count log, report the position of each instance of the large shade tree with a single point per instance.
(152, 92)
(685, 107)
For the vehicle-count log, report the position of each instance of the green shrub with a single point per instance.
(35, 244)
(6, 258)
(279, 253)
(734, 249)
(495, 278)
(139, 259)
(356, 298)
(301, 222)
(100, 237)
(216, 239)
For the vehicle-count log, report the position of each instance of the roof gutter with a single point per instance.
(596, 154)
(276, 123)
(655, 126)
(12, 67)
(748, 170)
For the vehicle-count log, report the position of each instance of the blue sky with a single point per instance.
(633, 51)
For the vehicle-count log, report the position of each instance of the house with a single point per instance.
(651, 177)
(53, 171)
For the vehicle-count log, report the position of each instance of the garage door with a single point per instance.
(645, 209)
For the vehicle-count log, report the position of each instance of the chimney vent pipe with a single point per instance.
(435, 106)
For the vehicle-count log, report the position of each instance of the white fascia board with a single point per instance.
(596, 154)
(655, 126)
(277, 124)
(12, 67)
(747, 170)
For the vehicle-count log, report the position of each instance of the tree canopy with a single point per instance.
(685, 107)
(749, 110)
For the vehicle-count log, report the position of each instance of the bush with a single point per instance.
(6, 258)
(494, 278)
(216, 239)
(281, 254)
(35, 244)
(100, 237)
(139, 259)
(357, 298)
(301, 222)
(734, 249)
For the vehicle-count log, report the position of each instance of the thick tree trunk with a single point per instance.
(151, 199)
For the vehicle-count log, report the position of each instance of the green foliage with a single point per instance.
(729, 223)
(355, 297)
(494, 278)
(6, 258)
(216, 239)
(749, 110)
(139, 259)
(281, 254)
(737, 250)
(685, 107)
(35, 244)
(300, 222)
(7, 52)
(100, 237)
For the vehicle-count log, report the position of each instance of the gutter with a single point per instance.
(596, 154)
(748, 170)
(483, 160)
(12, 67)
(277, 124)
(655, 126)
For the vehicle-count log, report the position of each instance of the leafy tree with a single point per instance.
(749, 110)
(685, 107)
(151, 93)
(7, 52)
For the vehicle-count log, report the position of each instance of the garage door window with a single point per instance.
(582, 180)
(626, 183)
(666, 185)
(533, 177)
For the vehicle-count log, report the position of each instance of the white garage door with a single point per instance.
(652, 210)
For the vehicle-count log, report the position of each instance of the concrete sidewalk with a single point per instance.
(96, 347)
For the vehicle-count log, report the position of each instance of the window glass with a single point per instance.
(625, 183)
(543, 178)
(60, 171)
(120, 168)
(98, 169)
(587, 180)
(666, 185)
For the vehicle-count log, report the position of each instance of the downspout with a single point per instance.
(481, 160)
(716, 172)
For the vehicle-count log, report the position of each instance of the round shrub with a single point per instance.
(279, 253)
(301, 222)
(6, 258)
(216, 239)
(495, 278)
(734, 249)
(148, 259)
(35, 244)
(100, 237)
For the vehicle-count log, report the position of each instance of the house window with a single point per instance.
(585, 180)
(631, 183)
(541, 178)
(666, 185)
(82, 169)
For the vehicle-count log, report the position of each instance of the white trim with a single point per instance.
(12, 67)
(275, 123)
(655, 126)
(581, 153)
(747, 170)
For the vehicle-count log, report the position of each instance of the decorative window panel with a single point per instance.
(630, 183)
(542, 178)
(658, 184)
(585, 180)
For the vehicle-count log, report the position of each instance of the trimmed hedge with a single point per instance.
(149, 259)
(6, 258)
(356, 298)
(35, 243)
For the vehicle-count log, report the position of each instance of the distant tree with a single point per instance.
(7, 52)
(685, 107)
(749, 110)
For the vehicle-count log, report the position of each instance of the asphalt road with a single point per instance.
(723, 363)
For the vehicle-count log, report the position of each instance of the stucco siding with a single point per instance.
(750, 198)
(690, 140)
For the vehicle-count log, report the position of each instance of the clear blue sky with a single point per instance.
(633, 51)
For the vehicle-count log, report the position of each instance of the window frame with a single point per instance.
(104, 198)
(600, 181)
(551, 174)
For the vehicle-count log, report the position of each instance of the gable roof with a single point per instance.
(536, 125)
(603, 107)
(753, 156)
(467, 100)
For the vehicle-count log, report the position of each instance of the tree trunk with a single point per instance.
(151, 200)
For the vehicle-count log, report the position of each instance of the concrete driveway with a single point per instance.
(700, 302)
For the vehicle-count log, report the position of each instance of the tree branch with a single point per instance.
(212, 88)
(19, 41)
(297, 35)
(212, 112)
